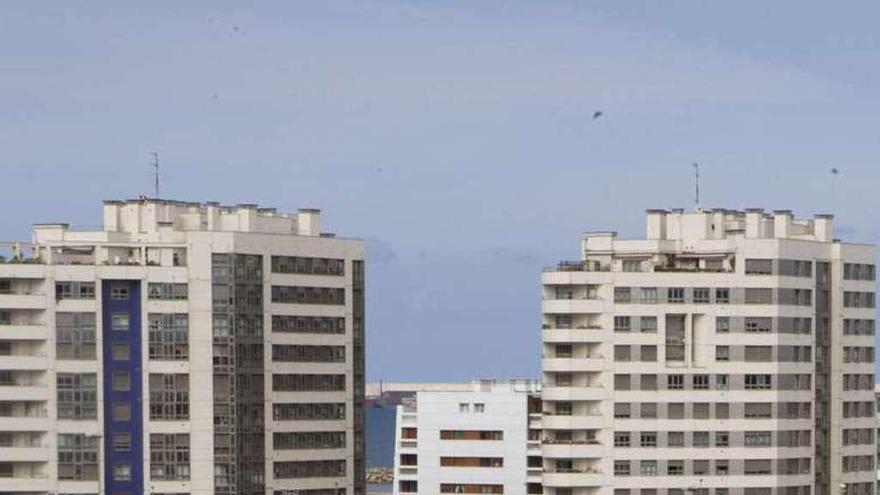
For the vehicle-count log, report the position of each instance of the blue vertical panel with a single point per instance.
(134, 426)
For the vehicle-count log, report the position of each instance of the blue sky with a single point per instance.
(455, 137)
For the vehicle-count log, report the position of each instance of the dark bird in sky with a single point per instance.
(597, 114)
(835, 171)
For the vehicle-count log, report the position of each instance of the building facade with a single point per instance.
(485, 440)
(726, 353)
(183, 348)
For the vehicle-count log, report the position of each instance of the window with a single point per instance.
(122, 471)
(283, 353)
(722, 353)
(169, 456)
(701, 295)
(648, 439)
(77, 457)
(675, 410)
(121, 351)
(701, 382)
(722, 410)
(308, 382)
(308, 295)
(648, 410)
(621, 410)
(675, 467)
(621, 439)
(167, 291)
(649, 295)
(758, 439)
(675, 295)
(758, 382)
(648, 382)
(77, 395)
(119, 292)
(722, 382)
(701, 439)
(169, 396)
(648, 353)
(621, 323)
(722, 468)
(758, 296)
(309, 469)
(622, 468)
(121, 381)
(464, 407)
(74, 290)
(622, 295)
(122, 442)
(121, 411)
(722, 324)
(622, 382)
(120, 321)
(758, 353)
(759, 267)
(675, 382)
(310, 324)
(75, 335)
(632, 265)
(169, 336)
(622, 353)
(648, 324)
(308, 411)
(479, 407)
(308, 266)
(701, 410)
(675, 439)
(722, 295)
(648, 468)
(722, 439)
(758, 325)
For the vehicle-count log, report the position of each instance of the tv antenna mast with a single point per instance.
(155, 165)
(696, 185)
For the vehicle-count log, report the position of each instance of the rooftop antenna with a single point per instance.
(155, 166)
(835, 172)
(696, 185)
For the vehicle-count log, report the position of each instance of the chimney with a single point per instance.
(718, 217)
(822, 228)
(782, 224)
(308, 222)
(754, 220)
(111, 216)
(656, 224)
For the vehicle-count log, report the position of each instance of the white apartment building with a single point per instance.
(485, 440)
(726, 353)
(184, 348)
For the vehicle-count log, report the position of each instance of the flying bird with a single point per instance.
(835, 171)
(597, 114)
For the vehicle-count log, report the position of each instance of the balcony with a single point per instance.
(23, 301)
(582, 422)
(566, 336)
(24, 485)
(577, 306)
(551, 393)
(23, 423)
(573, 364)
(584, 449)
(31, 363)
(25, 392)
(573, 478)
(24, 454)
(23, 332)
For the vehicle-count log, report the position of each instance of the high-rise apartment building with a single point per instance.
(726, 353)
(183, 348)
(484, 440)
